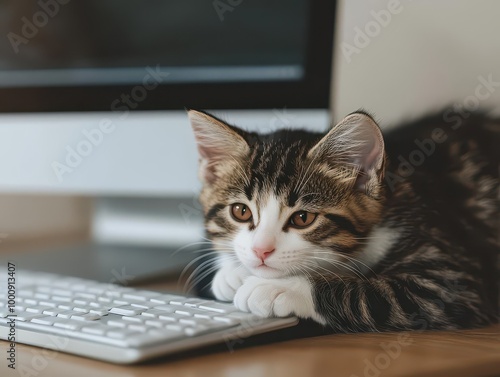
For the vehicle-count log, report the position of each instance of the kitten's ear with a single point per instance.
(357, 142)
(217, 142)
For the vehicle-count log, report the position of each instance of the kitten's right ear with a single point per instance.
(356, 142)
(217, 142)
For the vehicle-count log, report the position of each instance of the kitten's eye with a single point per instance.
(302, 219)
(241, 212)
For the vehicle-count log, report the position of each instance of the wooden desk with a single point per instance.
(464, 353)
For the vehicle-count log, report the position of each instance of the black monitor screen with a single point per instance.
(65, 45)
(112, 41)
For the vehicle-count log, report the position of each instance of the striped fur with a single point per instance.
(388, 250)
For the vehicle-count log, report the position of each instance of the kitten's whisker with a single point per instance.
(313, 268)
(204, 264)
(355, 260)
(190, 264)
(194, 279)
(343, 265)
(205, 273)
(189, 245)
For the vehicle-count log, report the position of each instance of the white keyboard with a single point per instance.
(118, 324)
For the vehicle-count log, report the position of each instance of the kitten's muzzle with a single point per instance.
(263, 252)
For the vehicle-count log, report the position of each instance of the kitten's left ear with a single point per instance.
(218, 143)
(356, 142)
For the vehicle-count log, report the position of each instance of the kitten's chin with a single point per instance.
(267, 272)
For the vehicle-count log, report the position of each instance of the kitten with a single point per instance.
(354, 232)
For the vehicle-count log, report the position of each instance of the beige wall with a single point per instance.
(430, 54)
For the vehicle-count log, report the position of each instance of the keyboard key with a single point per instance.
(192, 321)
(228, 320)
(101, 312)
(176, 327)
(165, 299)
(194, 302)
(67, 314)
(137, 319)
(137, 327)
(143, 304)
(164, 308)
(37, 309)
(149, 294)
(105, 300)
(65, 306)
(112, 294)
(96, 290)
(121, 301)
(193, 331)
(194, 312)
(61, 298)
(48, 321)
(184, 312)
(86, 295)
(154, 313)
(80, 309)
(85, 317)
(134, 296)
(155, 323)
(208, 315)
(62, 292)
(117, 323)
(23, 317)
(218, 307)
(173, 317)
(53, 311)
(69, 325)
(81, 302)
(126, 310)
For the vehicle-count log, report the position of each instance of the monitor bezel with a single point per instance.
(313, 91)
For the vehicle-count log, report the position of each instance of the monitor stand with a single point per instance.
(133, 240)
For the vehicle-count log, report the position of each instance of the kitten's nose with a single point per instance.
(263, 252)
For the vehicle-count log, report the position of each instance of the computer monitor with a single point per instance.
(93, 97)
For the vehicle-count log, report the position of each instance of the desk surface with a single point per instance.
(462, 353)
(468, 353)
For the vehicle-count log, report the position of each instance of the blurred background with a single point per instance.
(425, 55)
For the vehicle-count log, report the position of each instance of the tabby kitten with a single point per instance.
(353, 232)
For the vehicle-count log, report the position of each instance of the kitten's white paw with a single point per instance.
(227, 281)
(277, 297)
